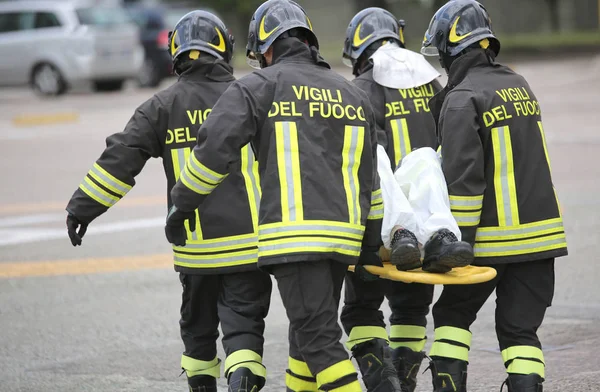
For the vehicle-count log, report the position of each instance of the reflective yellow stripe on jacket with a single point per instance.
(520, 239)
(103, 187)
(283, 238)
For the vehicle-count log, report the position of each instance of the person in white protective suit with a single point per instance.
(417, 214)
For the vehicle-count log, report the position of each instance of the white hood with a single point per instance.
(395, 67)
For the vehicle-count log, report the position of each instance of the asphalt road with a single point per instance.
(104, 317)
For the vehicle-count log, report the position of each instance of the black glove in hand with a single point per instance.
(367, 258)
(73, 224)
(175, 228)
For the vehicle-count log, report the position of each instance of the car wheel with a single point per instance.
(148, 75)
(47, 80)
(108, 85)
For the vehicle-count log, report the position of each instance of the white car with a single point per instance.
(52, 45)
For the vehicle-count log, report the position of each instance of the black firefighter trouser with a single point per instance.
(311, 292)
(363, 320)
(240, 302)
(523, 292)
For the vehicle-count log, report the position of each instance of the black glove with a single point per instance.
(175, 229)
(367, 258)
(74, 223)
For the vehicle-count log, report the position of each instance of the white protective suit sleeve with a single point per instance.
(422, 182)
(396, 208)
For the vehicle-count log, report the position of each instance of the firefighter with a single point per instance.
(218, 266)
(320, 211)
(497, 168)
(399, 84)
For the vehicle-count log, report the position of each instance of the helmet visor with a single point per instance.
(429, 50)
(347, 62)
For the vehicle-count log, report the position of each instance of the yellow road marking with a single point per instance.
(84, 266)
(47, 206)
(25, 120)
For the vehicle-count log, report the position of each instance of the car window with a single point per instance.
(102, 16)
(16, 21)
(45, 19)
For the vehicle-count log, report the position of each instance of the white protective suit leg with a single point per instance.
(422, 182)
(397, 211)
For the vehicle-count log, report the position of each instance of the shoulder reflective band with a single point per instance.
(250, 174)
(504, 178)
(354, 140)
(179, 157)
(288, 163)
(400, 139)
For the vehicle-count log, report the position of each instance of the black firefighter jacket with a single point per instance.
(165, 127)
(496, 163)
(315, 139)
(403, 114)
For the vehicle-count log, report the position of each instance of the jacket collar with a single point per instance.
(211, 69)
(292, 50)
(458, 71)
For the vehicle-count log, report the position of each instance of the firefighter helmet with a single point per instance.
(457, 25)
(201, 31)
(368, 26)
(272, 19)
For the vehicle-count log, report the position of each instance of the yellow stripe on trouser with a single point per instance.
(245, 359)
(194, 367)
(400, 139)
(524, 360)
(288, 162)
(179, 157)
(337, 371)
(413, 337)
(363, 334)
(298, 378)
(504, 177)
(442, 348)
(351, 154)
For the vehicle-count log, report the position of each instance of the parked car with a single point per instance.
(155, 22)
(54, 44)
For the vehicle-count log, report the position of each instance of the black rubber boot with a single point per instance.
(376, 367)
(444, 251)
(448, 375)
(202, 384)
(407, 363)
(405, 253)
(524, 383)
(243, 380)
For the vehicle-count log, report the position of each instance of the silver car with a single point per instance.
(52, 45)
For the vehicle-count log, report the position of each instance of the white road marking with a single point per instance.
(30, 219)
(12, 236)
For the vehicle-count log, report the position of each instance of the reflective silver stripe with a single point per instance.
(466, 220)
(218, 244)
(504, 176)
(312, 244)
(493, 233)
(208, 177)
(110, 201)
(182, 162)
(255, 182)
(376, 210)
(287, 156)
(214, 259)
(474, 204)
(309, 227)
(400, 145)
(120, 188)
(516, 246)
(376, 197)
(194, 183)
(351, 179)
